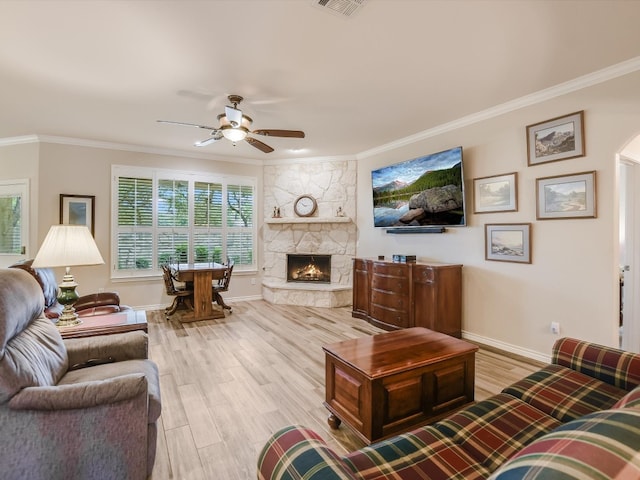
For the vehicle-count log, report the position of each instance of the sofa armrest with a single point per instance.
(80, 395)
(611, 365)
(297, 452)
(119, 346)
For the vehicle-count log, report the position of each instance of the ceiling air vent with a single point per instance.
(344, 8)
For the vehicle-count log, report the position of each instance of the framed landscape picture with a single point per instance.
(498, 193)
(78, 210)
(556, 139)
(508, 242)
(566, 196)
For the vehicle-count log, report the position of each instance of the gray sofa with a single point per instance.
(71, 409)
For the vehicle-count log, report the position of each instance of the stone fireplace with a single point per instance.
(309, 268)
(329, 233)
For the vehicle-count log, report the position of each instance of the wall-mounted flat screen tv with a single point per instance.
(425, 191)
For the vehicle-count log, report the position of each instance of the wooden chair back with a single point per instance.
(223, 283)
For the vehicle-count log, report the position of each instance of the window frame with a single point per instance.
(157, 174)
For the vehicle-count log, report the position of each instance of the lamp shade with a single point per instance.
(68, 246)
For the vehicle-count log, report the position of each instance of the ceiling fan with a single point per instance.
(234, 126)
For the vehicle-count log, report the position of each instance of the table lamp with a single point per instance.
(68, 246)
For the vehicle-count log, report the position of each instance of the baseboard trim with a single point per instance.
(507, 347)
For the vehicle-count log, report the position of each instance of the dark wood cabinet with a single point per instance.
(395, 295)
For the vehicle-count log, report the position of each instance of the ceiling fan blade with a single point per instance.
(215, 136)
(259, 145)
(187, 124)
(279, 133)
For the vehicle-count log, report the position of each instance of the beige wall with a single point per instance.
(84, 170)
(18, 162)
(573, 277)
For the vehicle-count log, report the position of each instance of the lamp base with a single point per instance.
(68, 297)
(68, 317)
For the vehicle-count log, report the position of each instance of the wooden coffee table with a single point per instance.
(126, 321)
(392, 382)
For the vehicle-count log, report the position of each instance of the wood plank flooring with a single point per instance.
(228, 384)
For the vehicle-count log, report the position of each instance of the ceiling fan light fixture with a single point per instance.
(234, 134)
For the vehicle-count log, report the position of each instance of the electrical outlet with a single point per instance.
(253, 281)
(101, 290)
(555, 328)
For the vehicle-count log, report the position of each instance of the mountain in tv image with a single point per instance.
(424, 191)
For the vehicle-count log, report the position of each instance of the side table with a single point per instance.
(126, 321)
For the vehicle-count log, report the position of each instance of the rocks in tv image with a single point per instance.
(424, 191)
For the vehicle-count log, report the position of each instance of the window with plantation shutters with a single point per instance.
(165, 216)
(134, 235)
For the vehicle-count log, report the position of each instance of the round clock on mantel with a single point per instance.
(305, 206)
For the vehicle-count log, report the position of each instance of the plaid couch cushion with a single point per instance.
(295, 452)
(615, 367)
(423, 454)
(493, 430)
(564, 393)
(630, 400)
(603, 445)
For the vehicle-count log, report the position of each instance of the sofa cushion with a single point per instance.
(564, 393)
(630, 400)
(32, 352)
(424, 454)
(601, 445)
(493, 430)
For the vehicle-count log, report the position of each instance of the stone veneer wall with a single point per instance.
(333, 185)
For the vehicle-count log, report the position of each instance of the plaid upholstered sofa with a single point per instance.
(577, 418)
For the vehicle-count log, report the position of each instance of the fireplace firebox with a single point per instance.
(309, 268)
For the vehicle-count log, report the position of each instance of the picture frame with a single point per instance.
(508, 242)
(78, 210)
(566, 196)
(560, 138)
(497, 193)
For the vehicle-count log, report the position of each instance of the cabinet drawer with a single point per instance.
(390, 269)
(390, 300)
(391, 284)
(390, 316)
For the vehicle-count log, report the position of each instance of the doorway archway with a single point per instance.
(628, 165)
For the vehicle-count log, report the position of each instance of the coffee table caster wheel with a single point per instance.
(334, 422)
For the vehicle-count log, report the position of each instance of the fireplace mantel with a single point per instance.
(308, 220)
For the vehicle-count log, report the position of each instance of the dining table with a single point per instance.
(199, 278)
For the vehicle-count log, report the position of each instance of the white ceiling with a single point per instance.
(107, 70)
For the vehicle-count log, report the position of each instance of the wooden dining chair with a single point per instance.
(181, 295)
(222, 285)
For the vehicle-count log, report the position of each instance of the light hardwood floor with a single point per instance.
(227, 384)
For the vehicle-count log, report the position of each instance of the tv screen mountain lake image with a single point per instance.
(427, 190)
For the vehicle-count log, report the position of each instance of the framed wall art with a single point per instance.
(508, 242)
(78, 210)
(566, 196)
(498, 193)
(560, 138)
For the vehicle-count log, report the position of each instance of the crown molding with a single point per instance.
(5, 142)
(588, 80)
(79, 142)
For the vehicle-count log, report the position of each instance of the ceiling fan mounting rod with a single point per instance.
(235, 100)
